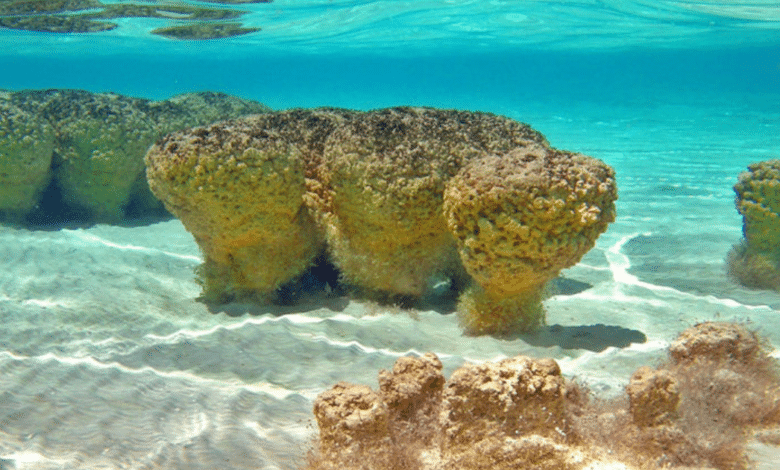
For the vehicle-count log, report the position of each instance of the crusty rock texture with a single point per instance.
(383, 176)
(239, 189)
(653, 396)
(403, 198)
(518, 220)
(412, 392)
(697, 411)
(755, 262)
(26, 148)
(101, 137)
(758, 201)
(716, 341)
(494, 416)
(86, 150)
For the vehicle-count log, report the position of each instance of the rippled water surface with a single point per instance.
(108, 361)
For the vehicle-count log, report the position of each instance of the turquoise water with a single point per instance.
(106, 359)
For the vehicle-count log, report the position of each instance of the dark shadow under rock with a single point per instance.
(594, 338)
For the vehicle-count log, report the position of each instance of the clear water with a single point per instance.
(106, 359)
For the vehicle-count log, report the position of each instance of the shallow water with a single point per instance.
(108, 361)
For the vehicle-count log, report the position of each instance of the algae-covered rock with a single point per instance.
(521, 413)
(101, 140)
(716, 341)
(69, 16)
(518, 220)
(502, 416)
(755, 261)
(238, 189)
(198, 109)
(29, 7)
(404, 198)
(383, 176)
(241, 188)
(166, 10)
(91, 146)
(26, 149)
(758, 201)
(653, 396)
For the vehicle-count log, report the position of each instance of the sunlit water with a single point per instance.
(108, 361)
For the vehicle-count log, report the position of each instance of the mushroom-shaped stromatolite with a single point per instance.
(26, 148)
(239, 190)
(77, 155)
(383, 175)
(755, 262)
(402, 197)
(758, 201)
(101, 140)
(518, 220)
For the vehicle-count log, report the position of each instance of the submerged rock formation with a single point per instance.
(81, 154)
(401, 197)
(26, 148)
(755, 261)
(518, 220)
(696, 411)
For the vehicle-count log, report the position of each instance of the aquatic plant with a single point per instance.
(718, 390)
(402, 197)
(755, 262)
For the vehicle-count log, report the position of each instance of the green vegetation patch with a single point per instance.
(204, 31)
(55, 24)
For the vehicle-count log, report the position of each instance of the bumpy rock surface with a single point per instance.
(350, 415)
(516, 396)
(412, 386)
(493, 416)
(758, 201)
(384, 174)
(715, 341)
(91, 146)
(26, 149)
(518, 220)
(403, 198)
(653, 396)
(239, 190)
(101, 137)
(755, 262)
(520, 413)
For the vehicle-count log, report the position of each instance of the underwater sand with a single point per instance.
(107, 361)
